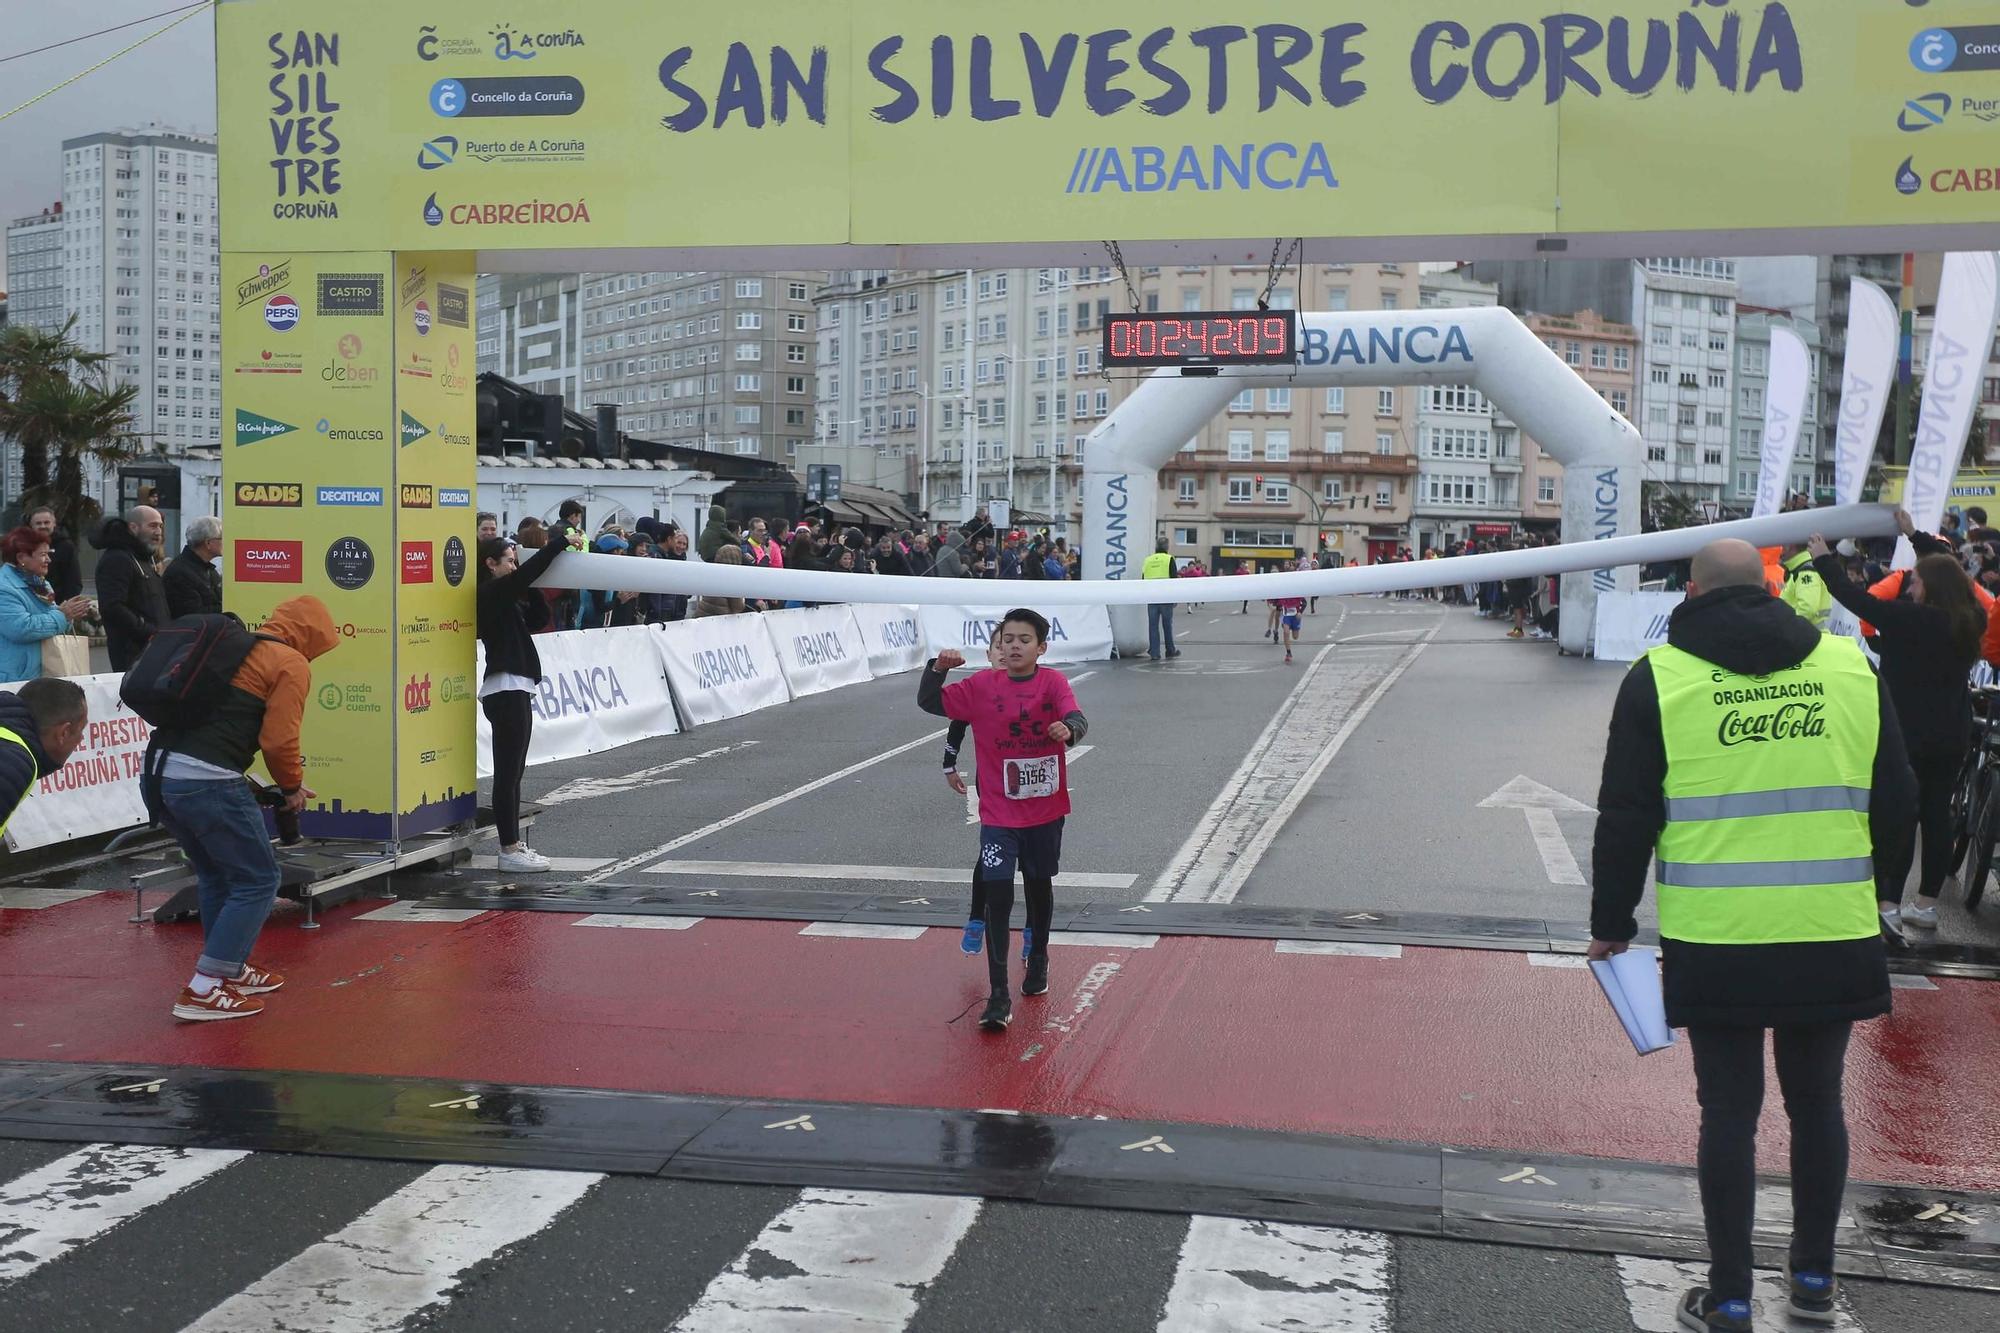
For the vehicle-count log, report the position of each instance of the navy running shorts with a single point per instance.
(1037, 850)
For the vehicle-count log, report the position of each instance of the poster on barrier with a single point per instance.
(894, 636)
(97, 791)
(1628, 623)
(820, 648)
(721, 666)
(600, 689)
(1076, 633)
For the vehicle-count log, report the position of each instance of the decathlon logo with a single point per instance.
(1149, 169)
(577, 693)
(1921, 113)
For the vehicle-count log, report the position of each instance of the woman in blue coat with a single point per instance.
(26, 614)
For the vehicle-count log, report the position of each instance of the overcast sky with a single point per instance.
(169, 81)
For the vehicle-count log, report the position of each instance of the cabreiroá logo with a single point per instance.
(433, 215)
(1907, 179)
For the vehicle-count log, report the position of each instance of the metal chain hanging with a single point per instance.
(1118, 258)
(1278, 267)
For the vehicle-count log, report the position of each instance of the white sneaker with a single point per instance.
(1916, 914)
(1892, 920)
(523, 860)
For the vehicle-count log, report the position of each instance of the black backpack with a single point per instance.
(185, 668)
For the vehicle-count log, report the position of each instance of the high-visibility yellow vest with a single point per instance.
(1159, 565)
(1805, 591)
(1768, 782)
(7, 816)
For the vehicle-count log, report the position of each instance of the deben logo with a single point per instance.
(251, 428)
(281, 312)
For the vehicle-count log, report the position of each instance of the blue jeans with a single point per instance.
(221, 828)
(1160, 619)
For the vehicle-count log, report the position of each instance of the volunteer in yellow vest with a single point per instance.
(1805, 591)
(1760, 762)
(1160, 615)
(41, 724)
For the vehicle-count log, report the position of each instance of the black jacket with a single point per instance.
(893, 563)
(130, 594)
(65, 570)
(503, 624)
(19, 768)
(1749, 632)
(194, 587)
(1926, 676)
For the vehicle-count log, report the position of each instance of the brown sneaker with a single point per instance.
(225, 1001)
(255, 980)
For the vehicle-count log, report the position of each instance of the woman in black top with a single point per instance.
(1928, 646)
(513, 670)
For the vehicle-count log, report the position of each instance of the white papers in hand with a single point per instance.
(1631, 981)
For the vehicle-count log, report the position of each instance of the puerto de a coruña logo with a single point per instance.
(281, 312)
(1922, 113)
(439, 152)
(1907, 179)
(433, 215)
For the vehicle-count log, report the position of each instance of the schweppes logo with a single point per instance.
(419, 497)
(270, 494)
(413, 429)
(251, 428)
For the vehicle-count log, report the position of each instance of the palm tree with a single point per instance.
(56, 399)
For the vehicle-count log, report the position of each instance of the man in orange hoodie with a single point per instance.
(212, 813)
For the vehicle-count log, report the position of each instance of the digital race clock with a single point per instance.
(1202, 338)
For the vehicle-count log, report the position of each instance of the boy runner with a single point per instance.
(1023, 718)
(1289, 612)
(974, 938)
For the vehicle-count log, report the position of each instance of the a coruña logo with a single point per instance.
(1793, 721)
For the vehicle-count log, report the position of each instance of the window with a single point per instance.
(1718, 305)
(1545, 489)
(754, 383)
(1385, 444)
(1329, 490)
(1712, 457)
(746, 444)
(1621, 358)
(795, 353)
(1718, 379)
(1384, 495)
(1752, 401)
(1457, 442)
(1244, 402)
(1663, 336)
(1239, 446)
(1691, 338)
(1190, 298)
(1336, 298)
(1718, 342)
(1336, 401)
(1187, 536)
(1656, 453)
(1277, 492)
(1686, 416)
(1186, 494)
(1242, 298)
(1240, 490)
(1334, 441)
(1620, 401)
(1753, 358)
(1597, 358)
(752, 352)
(1712, 419)
(749, 414)
(797, 324)
(1385, 402)
(1453, 398)
(795, 291)
(1277, 446)
(1277, 400)
(1390, 299)
(749, 286)
(1658, 375)
(1573, 353)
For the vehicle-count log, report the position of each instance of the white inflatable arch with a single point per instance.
(1485, 347)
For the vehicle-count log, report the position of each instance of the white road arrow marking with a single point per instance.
(1157, 1143)
(804, 1122)
(1540, 804)
(586, 788)
(1526, 1175)
(707, 893)
(914, 902)
(1140, 908)
(1939, 1212)
(467, 1103)
(154, 1086)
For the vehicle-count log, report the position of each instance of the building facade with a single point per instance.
(1468, 474)
(1606, 354)
(531, 331)
(1753, 377)
(721, 361)
(35, 270)
(873, 391)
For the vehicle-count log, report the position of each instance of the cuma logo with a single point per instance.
(281, 312)
(251, 428)
(1921, 113)
(439, 152)
(433, 215)
(413, 429)
(1907, 179)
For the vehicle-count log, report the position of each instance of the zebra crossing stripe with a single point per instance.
(1653, 1289)
(1254, 1277)
(73, 1200)
(836, 1259)
(403, 1255)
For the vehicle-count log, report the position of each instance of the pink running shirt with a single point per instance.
(1023, 775)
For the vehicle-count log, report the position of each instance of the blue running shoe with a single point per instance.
(1027, 942)
(1813, 1295)
(1700, 1312)
(974, 939)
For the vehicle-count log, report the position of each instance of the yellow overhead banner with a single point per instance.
(625, 123)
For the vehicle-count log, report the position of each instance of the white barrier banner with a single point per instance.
(1628, 623)
(600, 689)
(97, 791)
(1867, 376)
(1784, 406)
(721, 666)
(1076, 633)
(820, 648)
(1961, 340)
(894, 636)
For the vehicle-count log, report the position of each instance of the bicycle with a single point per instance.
(1975, 799)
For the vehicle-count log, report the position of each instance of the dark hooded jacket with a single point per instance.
(264, 707)
(131, 596)
(194, 586)
(950, 563)
(65, 570)
(716, 535)
(1748, 632)
(19, 768)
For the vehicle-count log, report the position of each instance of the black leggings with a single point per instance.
(1937, 774)
(513, 722)
(1729, 1082)
(999, 898)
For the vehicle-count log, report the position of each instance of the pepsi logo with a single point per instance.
(422, 317)
(281, 312)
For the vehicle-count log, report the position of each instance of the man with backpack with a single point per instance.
(217, 695)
